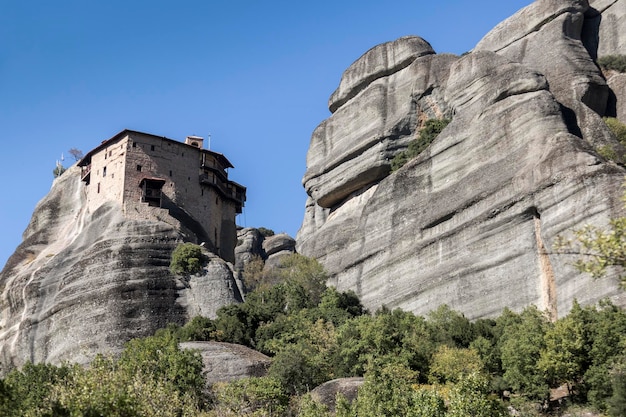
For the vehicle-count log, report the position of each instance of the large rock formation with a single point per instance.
(225, 362)
(471, 221)
(82, 283)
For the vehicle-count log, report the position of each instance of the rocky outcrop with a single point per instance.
(86, 282)
(326, 393)
(224, 362)
(252, 244)
(472, 220)
(378, 62)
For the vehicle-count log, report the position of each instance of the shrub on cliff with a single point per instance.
(427, 135)
(187, 259)
(613, 62)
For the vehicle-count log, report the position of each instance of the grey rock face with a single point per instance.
(547, 36)
(354, 148)
(253, 245)
(378, 62)
(224, 362)
(471, 221)
(617, 100)
(82, 283)
(609, 16)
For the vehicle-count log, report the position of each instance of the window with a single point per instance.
(170, 172)
(110, 153)
(151, 147)
(134, 144)
(138, 168)
(98, 188)
(105, 154)
(104, 171)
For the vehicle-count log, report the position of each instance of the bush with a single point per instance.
(427, 135)
(265, 232)
(187, 259)
(617, 128)
(613, 62)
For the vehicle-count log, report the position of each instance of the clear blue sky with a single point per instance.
(255, 75)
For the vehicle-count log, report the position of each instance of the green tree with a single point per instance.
(387, 337)
(523, 341)
(253, 397)
(450, 327)
(451, 364)
(565, 358)
(187, 259)
(471, 397)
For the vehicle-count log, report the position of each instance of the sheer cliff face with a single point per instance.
(86, 282)
(472, 220)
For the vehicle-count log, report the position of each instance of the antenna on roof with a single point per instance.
(209, 141)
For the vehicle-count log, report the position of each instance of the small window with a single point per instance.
(105, 155)
(188, 178)
(138, 168)
(98, 188)
(110, 153)
(151, 147)
(202, 192)
(104, 171)
(170, 172)
(134, 144)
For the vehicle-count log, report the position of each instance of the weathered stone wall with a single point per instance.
(198, 208)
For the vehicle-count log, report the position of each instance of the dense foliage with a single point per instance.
(613, 62)
(426, 136)
(441, 365)
(187, 259)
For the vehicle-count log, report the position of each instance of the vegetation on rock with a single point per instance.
(613, 62)
(427, 135)
(187, 259)
(441, 365)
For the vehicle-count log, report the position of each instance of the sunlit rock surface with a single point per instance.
(82, 283)
(472, 221)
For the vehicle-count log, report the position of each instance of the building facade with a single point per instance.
(162, 179)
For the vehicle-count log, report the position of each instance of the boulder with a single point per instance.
(326, 393)
(278, 243)
(225, 362)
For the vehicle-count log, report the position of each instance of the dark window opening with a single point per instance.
(139, 168)
(104, 171)
(134, 144)
(170, 172)
(202, 191)
(98, 188)
(151, 147)
(151, 191)
(110, 153)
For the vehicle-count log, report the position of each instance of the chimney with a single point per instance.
(194, 141)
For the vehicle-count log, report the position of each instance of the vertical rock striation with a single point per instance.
(471, 221)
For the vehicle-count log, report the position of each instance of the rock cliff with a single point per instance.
(471, 221)
(86, 282)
